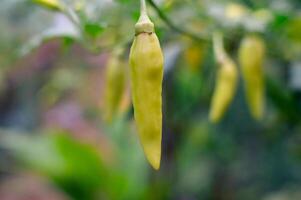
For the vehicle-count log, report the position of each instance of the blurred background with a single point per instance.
(63, 138)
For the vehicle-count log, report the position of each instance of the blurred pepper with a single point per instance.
(251, 58)
(50, 4)
(146, 61)
(115, 86)
(226, 81)
(194, 55)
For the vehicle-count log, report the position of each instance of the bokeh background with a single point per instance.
(56, 144)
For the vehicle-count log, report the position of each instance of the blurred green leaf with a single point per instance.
(75, 167)
(93, 30)
(283, 99)
(62, 28)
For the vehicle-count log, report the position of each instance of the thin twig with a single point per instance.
(173, 26)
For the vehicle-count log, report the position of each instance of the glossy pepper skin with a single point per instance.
(146, 72)
(115, 86)
(225, 84)
(251, 58)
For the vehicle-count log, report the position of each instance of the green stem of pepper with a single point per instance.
(144, 24)
(218, 46)
(143, 7)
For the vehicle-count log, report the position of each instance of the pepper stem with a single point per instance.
(143, 7)
(144, 24)
(218, 46)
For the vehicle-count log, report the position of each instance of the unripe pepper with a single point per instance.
(251, 58)
(226, 82)
(115, 86)
(146, 62)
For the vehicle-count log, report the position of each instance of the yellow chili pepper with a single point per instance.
(50, 4)
(251, 58)
(194, 55)
(146, 61)
(115, 85)
(226, 82)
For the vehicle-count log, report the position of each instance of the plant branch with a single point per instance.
(174, 27)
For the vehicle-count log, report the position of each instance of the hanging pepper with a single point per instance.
(194, 56)
(50, 4)
(226, 81)
(251, 58)
(146, 61)
(115, 85)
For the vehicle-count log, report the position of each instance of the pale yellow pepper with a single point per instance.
(146, 61)
(226, 82)
(115, 86)
(251, 58)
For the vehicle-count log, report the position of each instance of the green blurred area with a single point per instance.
(55, 144)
